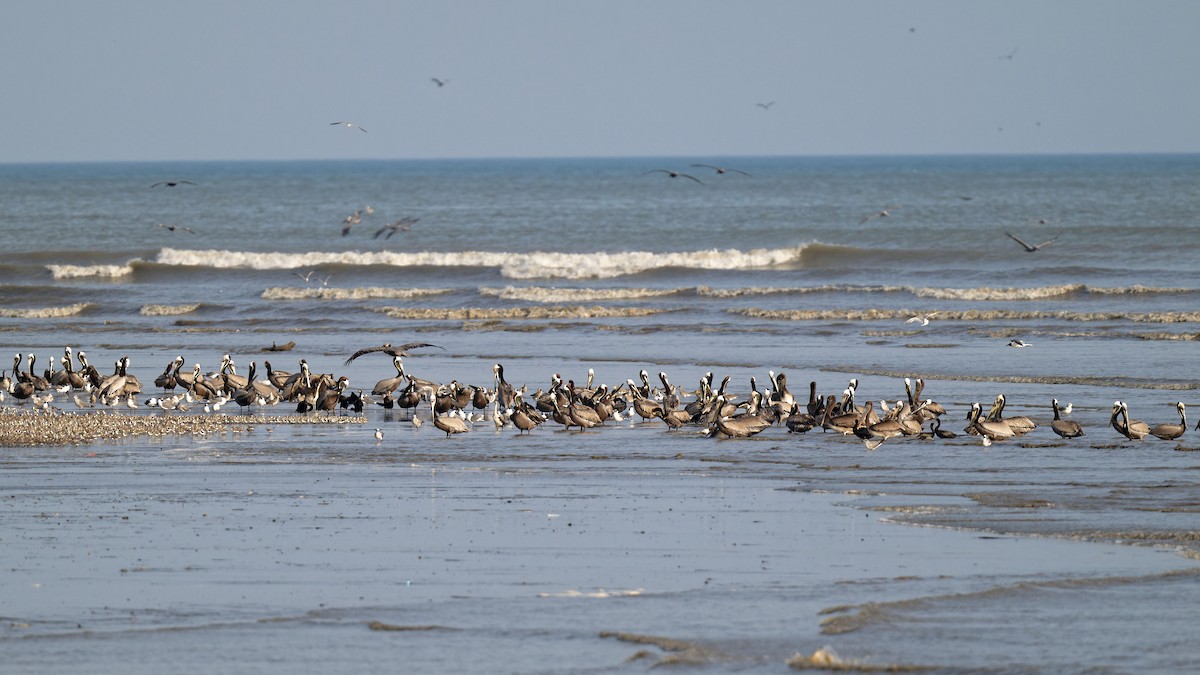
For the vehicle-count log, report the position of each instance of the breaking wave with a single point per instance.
(168, 310)
(478, 313)
(544, 294)
(78, 271)
(533, 265)
(44, 312)
(368, 293)
(965, 315)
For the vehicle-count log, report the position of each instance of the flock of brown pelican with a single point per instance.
(455, 407)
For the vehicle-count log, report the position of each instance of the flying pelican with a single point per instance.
(765, 106)
(674, 174)
(172, 183)
(1030, 248)
(172, 228)
(403, 225)
(388, 349)
(922, 319)
(440, 83)
(348, 125)
(721, 169)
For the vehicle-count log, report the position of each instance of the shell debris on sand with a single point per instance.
(23, 429)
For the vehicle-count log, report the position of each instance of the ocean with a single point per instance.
(558, 266)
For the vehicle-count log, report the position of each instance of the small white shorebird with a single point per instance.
(1019, 343)
(922, 319)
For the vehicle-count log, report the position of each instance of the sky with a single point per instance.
(124, 80)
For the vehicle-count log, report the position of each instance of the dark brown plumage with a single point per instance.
(387, 348)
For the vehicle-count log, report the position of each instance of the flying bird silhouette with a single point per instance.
(1009, 56)
(348, 125)
(721, 169)
(403, 225)
(1019, 343)
(1030, 248)
(387, 348)
(172, 228)
(765, 106)
(172, 183)
(439, 83)
(922, 319)
(674, 174)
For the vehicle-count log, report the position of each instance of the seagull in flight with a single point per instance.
(1030, 248)
(1019, 343)
(172, 228)
(172, 183)
(387, 348)
(348, 125)
(765, 106)
(306, 276)
(882, 213)
(922, 319)
(674, 174)
(403, 225)
(721, 169)
(439, 83)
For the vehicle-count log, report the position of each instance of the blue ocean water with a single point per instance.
(557, 266)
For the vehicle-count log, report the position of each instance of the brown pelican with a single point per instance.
(402, 225)
(387, 386)
(765, 106)
(1064, 428)
(450, 425)
(1030, 248)
(171, 228)
(1019, 425)
(439, 81)
(674, 418)
(742, 426)
(721, 169)
(799, 422)
(172, 183)
(169, 378)
(1168, 431)
(990, 430)
(1134, 430)
(674, 174)
(387, 348)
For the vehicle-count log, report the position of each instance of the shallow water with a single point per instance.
(284, 543)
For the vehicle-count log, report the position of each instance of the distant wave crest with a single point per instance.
(368, 293)
(876, 314)
(533, 265)
(546, 294)
(44, 312)
(77, 271)
(518, 313)
(168, 310)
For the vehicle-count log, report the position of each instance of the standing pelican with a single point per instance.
(1168, 431)
(1134, 430)
(1064, 428)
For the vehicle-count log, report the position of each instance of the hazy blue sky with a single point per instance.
(122, 80)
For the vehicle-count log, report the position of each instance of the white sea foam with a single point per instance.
(43, 313)
(168, 310)
(519, 313)
(534, 265)
(547, 294)
(368, 293)
(76, 271)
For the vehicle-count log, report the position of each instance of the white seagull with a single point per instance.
(348, 125)
(1019, 343)
(922, 319)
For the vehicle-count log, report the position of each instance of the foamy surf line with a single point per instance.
(83, 271)
(969, 315)
(43, 313)
(367, 293)
(531, 265)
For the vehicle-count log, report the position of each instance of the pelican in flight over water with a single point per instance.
(172, 228)
(674, 174)
(721, 169)
(1030, 248)
(172, 183)
(348, 125)
(438, 82)
(387, 348)
(765, 106)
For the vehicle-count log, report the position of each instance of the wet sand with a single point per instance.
(312, 548)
